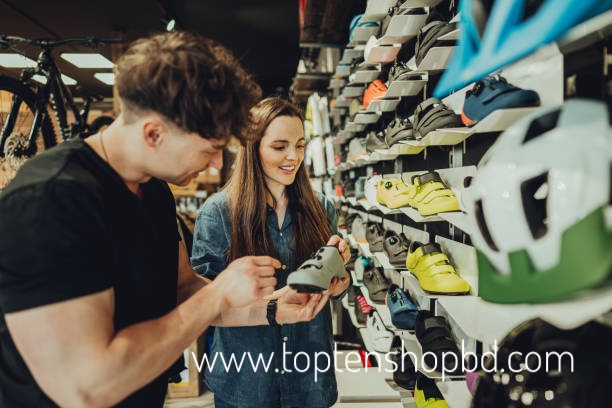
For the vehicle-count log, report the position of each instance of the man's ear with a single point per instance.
(153, 132)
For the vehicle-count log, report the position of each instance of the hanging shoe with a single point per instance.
(433, 270)
(382, 338)
(402, 308)
(493, 93)
(393, 193)
(397, 130)
(377, 285)
(362, 308)
(362, 265)
(432, 114)
(375, 141)
(405, 375)
(431, 195)
(396, 248)
(427, 394)
(374, 235)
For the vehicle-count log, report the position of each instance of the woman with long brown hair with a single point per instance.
(269, 207)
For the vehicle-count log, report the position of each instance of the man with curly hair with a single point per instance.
(97, 296)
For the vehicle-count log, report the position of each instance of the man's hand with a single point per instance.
(343, 247)
(247, 279)
(296, 307)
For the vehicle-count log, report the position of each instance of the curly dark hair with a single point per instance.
(193, 81)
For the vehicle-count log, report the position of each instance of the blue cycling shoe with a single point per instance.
(492, 93)
(495, 34)
(402, 308)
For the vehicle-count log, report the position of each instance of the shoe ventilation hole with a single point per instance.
(542, 125)
(467, 181)
(482, 225)
(534, 194)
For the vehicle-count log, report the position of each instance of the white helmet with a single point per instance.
(537, 205)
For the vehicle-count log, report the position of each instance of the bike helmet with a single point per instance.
(537, 206)
(575, 368)
(497, 33)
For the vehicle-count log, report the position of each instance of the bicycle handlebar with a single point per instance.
(6, 40)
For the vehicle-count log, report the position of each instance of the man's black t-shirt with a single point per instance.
(70, 227)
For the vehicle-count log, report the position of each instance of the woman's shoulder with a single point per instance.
(218, 202)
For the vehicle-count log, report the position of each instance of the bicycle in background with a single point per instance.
(25, 105)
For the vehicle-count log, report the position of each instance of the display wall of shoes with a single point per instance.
(437, 229)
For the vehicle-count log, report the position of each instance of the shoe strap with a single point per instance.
(429, 260)
(426, 178)
(441, 269)
(433, 191)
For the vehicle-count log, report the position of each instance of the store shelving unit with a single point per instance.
(454, 153)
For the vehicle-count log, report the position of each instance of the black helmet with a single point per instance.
(517, 382)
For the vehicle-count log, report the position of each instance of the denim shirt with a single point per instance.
(290, 348)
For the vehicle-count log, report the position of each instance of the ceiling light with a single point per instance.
(171, 24)
(40, 78)
(87, 60)
(68, 80)
(168, 23)
(16, 61)
(107, 77)
(65, 78)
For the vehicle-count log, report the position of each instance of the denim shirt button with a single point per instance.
(282, 371)
(285, 338)
(284, 267)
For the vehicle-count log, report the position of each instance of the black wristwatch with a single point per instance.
(271, 312)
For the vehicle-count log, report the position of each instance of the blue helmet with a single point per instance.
(497, 33)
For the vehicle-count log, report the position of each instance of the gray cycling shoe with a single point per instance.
(316, 273)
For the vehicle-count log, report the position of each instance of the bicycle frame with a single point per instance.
(55, 92)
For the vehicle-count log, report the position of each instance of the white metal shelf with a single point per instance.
(420, 3)
(362, 34)
(406, 88)
(402, 28)
(385, 104)
(366, 117)
(489, 322)
(365, 76)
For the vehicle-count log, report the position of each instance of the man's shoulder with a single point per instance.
(63, 165)
(50, 177)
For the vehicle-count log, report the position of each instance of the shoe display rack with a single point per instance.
(454, 153)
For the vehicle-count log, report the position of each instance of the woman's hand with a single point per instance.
(294, 307)
(342, 245)
(338, 286)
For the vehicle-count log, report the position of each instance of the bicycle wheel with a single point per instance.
(14, 136)
(22, 124)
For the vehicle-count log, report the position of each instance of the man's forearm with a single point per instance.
(139, 353)
(251, 315)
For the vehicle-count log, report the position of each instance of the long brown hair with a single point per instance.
(247, 192)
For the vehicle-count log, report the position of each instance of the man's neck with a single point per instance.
(111, 149)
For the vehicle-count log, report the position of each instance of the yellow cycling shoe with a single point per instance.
(433, 270)
(393, 193)
(427, 394)
(431, 195)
